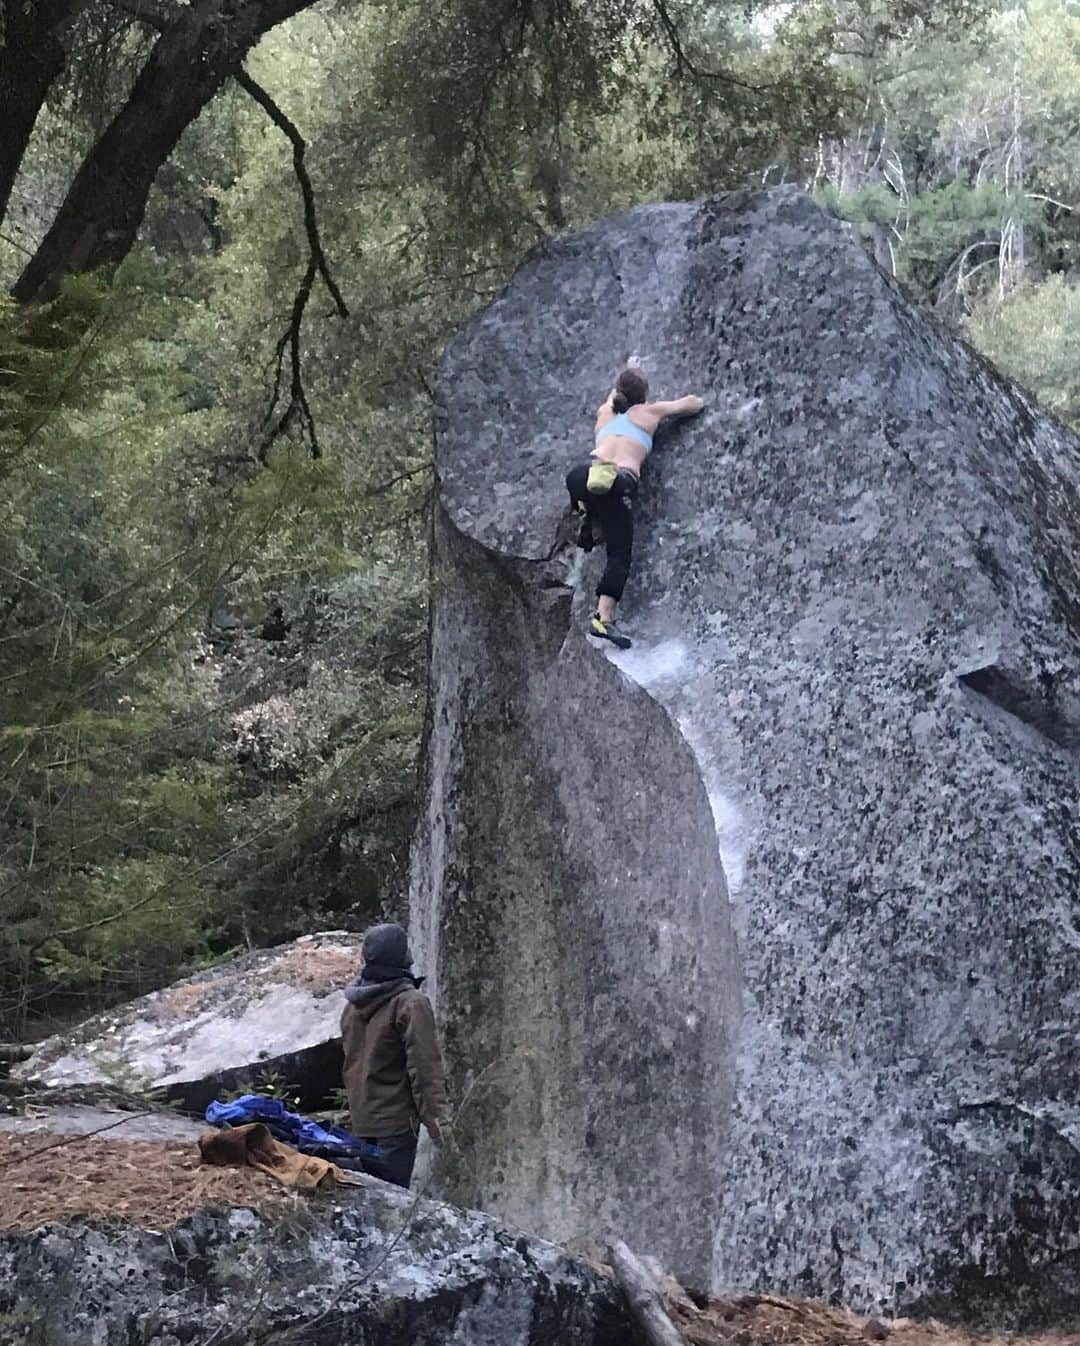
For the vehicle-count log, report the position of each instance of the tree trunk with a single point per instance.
(31, 58)
(198, 50)
(1011, 253)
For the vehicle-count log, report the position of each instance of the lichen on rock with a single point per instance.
(370, 1267)
(273, 1013)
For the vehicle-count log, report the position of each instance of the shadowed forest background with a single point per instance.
(230, 262)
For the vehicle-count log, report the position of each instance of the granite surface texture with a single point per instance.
(363, 1268)
(758, 945)
(266, 1019)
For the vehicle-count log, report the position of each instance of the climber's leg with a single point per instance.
(618, 524)
(577, 484)
(617, 517)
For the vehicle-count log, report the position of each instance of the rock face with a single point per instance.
(273, 1013)
(760, 944)
(84, 1119)
(342, 1270)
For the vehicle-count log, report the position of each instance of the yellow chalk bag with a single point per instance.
(601, 478)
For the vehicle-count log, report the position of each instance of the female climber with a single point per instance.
(605, 488)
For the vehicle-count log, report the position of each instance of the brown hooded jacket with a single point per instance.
(393, 1066)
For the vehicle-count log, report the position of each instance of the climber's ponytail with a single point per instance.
(631, 388)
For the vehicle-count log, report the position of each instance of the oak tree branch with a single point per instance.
(298, 407)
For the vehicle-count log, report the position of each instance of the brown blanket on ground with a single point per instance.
(253, 1144)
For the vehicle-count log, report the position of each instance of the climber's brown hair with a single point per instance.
(631, 389)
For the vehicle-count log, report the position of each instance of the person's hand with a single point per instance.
(699, 407)
(435, 1132)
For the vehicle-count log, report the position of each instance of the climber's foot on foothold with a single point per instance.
(608, 631)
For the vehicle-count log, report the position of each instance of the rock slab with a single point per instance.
(271, 1014)
(759, 944)
(364, 1269)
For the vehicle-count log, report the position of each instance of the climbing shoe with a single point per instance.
(608, 631)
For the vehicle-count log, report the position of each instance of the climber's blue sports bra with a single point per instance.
(623, 425)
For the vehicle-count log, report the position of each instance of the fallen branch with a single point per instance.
(646, 1307)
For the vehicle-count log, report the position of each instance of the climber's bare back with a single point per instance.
(626, 452)
(621, 449)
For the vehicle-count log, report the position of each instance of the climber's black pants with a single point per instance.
(614, 512)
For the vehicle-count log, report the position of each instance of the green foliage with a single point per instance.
(46, 358)
(959, 167)
(211, 688)
(961, 174)
(271, 1083)
(1034, 336)
(126, 801)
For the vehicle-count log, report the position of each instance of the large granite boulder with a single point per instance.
(268, 1016)
(367, 1266)
(762, 940)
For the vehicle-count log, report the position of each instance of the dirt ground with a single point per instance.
(764, 1320)
(154, 1184)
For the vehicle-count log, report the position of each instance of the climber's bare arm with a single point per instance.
(655, 412)
(682, 406)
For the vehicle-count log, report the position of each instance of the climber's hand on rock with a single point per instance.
(435, 1132)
